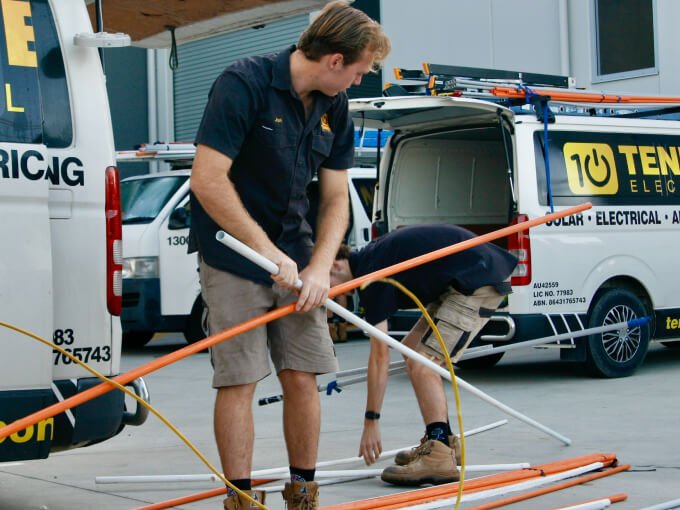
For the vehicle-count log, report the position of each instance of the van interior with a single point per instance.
(457, 176)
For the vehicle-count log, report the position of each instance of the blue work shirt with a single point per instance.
(254, 117)
(466, 271)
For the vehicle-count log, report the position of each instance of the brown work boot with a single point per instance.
(434, 463)
(239, 502)
(405, 456)
(301, 495)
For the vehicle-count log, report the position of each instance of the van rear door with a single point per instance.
(25, 257)
(25, 267)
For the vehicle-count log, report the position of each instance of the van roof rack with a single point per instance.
(522, 91)
(366, 143)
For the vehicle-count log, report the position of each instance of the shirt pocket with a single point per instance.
(323, 144)
(273, 136)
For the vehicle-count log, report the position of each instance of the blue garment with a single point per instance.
(254, 117)
(466, 271)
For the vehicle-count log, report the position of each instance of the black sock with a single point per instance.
(301, 475)
(437, 431)
(241, 484)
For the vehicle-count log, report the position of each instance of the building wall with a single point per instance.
(515, 35)
(200, 62)
(522, 35)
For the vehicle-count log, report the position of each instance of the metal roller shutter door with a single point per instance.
(200, 62)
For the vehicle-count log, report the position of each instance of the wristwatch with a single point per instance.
(371, 415)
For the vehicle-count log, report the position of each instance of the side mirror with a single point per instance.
(179, 218)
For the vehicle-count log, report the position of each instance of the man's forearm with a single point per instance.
(333, 217)
(378, 366)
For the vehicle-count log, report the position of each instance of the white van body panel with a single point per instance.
(444, 165)
(56, 144)
(178, 269)
(25, 220)
(167, 304)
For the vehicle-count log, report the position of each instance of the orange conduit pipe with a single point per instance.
(553, 488)
(481, 483)
(467, 490)
(100, 389)
(192, 498)
(584, 97)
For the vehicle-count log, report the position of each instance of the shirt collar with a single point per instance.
(282, 80)
(281, 70)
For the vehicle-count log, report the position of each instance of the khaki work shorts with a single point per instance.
(298, 341)
(459, 318)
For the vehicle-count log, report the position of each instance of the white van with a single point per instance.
(480, 164)
(161, 291)
(60, 266)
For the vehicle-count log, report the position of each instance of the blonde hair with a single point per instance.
(345, 30)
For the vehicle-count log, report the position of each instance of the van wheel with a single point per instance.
(136, 338)
(620, 352)
(196, 327)
(481, 362)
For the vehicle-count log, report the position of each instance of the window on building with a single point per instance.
(624, 39)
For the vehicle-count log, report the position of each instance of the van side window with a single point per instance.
(35, 101)
(365, 189)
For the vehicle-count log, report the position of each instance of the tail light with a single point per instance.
(378, 228)
(519, 245)
(114, 242)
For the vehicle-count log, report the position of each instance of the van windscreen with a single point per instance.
(143, 199)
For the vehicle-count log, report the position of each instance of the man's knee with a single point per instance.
(295, 381)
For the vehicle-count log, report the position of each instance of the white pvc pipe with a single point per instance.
(283, 470)
(507, 489)
(597, 504)
(675, 503)
(327, 481)
(549, 339)
(272, 268)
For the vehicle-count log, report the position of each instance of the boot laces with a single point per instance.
(302, 502)
(422, 450)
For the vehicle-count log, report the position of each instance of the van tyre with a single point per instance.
(196, 326)
(136, 339)
(617, 353)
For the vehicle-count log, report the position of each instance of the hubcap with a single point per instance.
(621, 344)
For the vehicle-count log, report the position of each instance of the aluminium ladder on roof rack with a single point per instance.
(513, 88)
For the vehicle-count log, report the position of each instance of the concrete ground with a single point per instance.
(637, 418)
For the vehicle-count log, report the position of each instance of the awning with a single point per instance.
(148, 22)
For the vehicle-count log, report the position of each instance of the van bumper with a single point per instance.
(142, 307)
(92, 422)
(141, 304)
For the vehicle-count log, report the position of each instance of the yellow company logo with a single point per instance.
(325, 126)
(42, 431)
(591, 169)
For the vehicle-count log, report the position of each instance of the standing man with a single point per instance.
(270, 124)
(461, 292)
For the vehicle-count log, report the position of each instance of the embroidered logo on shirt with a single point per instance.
(278, 120)
(325, 126)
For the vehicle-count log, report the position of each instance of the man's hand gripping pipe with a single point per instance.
(331, 305)
(100, 389)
